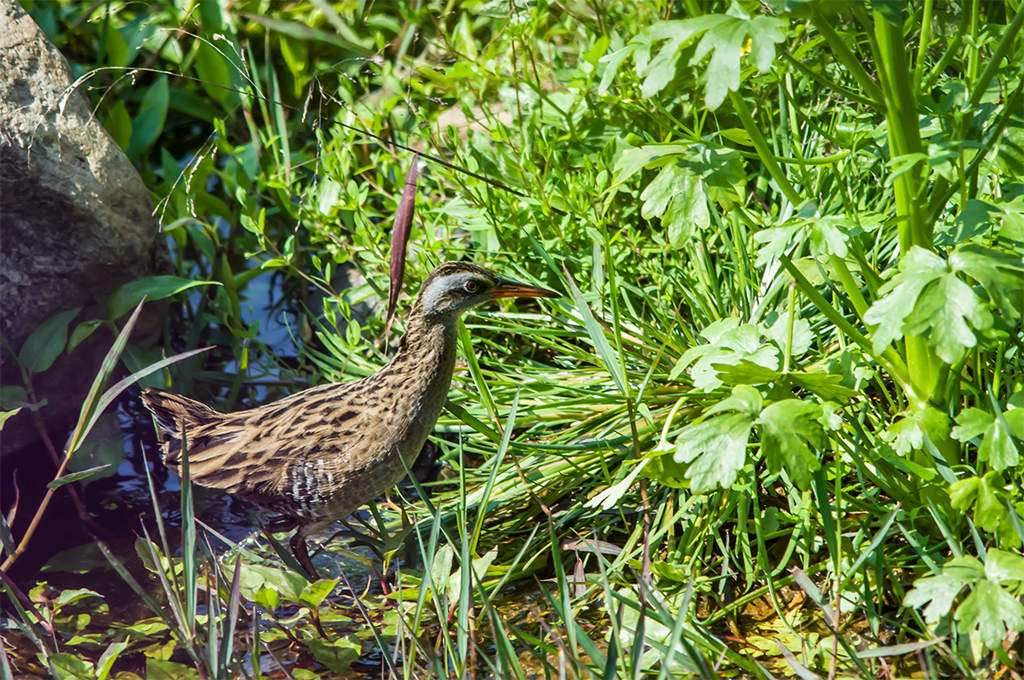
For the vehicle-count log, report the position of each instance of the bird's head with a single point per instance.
(455, 287)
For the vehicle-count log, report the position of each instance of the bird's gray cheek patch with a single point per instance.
(432, 295)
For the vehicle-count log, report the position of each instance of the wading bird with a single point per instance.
(317, 455)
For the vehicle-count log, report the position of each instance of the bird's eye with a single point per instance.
(472, 286)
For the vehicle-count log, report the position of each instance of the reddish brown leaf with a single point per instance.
(400, 234)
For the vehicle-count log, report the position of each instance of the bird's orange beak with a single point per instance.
(507, 288)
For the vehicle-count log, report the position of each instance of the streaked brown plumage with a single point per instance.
(319, 454)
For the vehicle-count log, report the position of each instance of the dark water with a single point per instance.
(121, 503)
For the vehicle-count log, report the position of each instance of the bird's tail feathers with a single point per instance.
(175, 413)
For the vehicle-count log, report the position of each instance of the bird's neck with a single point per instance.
(421, 371)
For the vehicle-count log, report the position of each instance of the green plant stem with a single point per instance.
(849, 284)
(889, 359)
(952, 50)
(904, 134)
(914, 230)
(791, 305)
(842, 52)
(763, 150)
(827, 82)
(943, 191)
(922, 46)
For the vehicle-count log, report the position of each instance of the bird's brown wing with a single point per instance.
(256, 453)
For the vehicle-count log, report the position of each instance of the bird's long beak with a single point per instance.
(509, 288)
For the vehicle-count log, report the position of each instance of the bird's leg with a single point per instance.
(301, 552)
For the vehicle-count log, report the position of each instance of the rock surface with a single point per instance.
(76, 221)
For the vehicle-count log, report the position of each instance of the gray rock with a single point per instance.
(76, 220)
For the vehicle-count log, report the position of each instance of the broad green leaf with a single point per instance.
(441, 569)
(195, 105)
(1014, 419)
(997, 446)
(926, 298)
(287, 584)
(1004, 567)
(267, 598)
(726, 42)
(106, 661)
(81, 332)
(802, 336)
(745, 373)
(659, 71)
(967, 568)
(789, 430)
(479, 565)
(937, 592)
(144, 628)
(116, 47)
(313, 594)
(72, 666)
(337, 655)
(776, 241)
(13, 395)
(743, 399)
(215, 74)
(152, 288)
(826, 235)
(80, 559)
(660, 191)
(633, 160)
(825, 385)
(666, 471)
(5, 415)
(730, 343)
(119, 124)
(687, 212)
(716, 449)
(72, 595)
(160, 669)
(149, 121)
(992, 612)
(1001, 274)
(907, 434)
(46, 342)
(986, 500)
(970, 423)
(610, 64)
(918, 268)
(946, 312)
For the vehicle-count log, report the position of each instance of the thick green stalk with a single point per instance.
(911, 214)
(904, 133)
